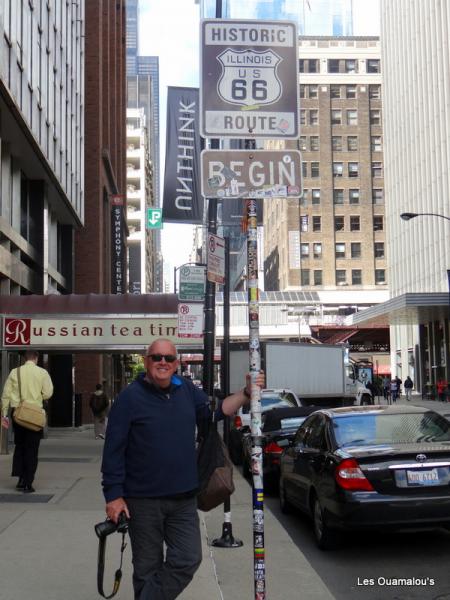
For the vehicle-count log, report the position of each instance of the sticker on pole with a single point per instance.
(190, 320)
(215, 270)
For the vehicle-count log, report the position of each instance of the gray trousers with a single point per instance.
(153, 523)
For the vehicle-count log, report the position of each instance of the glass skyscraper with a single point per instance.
(314, 17)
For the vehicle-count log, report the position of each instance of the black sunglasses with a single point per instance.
(169, 358)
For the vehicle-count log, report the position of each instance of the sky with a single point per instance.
(170, 29)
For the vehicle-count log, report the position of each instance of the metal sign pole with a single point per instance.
(255, 403)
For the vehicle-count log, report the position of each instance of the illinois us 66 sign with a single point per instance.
(249, 79)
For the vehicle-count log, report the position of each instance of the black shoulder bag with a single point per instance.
(215, 469)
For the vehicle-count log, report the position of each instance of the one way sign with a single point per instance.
(154, 218)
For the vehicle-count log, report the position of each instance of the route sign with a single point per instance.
(249, 79)
(251, 174)
(192, 283)
(154, 218)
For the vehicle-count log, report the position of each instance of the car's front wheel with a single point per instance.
(326, 537)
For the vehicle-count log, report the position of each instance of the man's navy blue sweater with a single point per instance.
(149, 448)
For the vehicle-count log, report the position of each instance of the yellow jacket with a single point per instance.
(35, 384)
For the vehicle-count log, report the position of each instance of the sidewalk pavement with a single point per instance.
(49, 548)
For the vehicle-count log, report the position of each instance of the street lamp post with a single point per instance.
(407, 216)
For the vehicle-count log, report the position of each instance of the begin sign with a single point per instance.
(251, 174)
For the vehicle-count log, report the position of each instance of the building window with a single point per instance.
(333, 65)
(304, 223)
(375, 117)
(302, 116)
(314, 117)
(336, 117)
(352, 143)
(302, 143)
(356, 277)
(304, 250)
(316, 223)
(315, 169)
(313, 91)
(336, 143)
(377, 169)
(302, 91)
(355, 249)
(353, 196)
(340, 250)
(351, 65)
(380, 276)
(353, 169)
(315, 196)
(317, 277)
(355, 224)
(304, 276)
(350, 91)
(378, 223)
(339, 223)
(373, 65)
(379, 249)
(352, 117)
(304, 168)
(341, 276)
(377, 196)
(314, 143)
(338, 196)
(335, 91)
(375, 92)
(303, 200)
(375, 143)
(317, 250)
(338, 168)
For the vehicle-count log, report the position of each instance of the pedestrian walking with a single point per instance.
(394, 391)
(386, 389)
(150, 471)
(441, 386)
(99, 404)
(399, 386)
(408, 385)
(35, 387)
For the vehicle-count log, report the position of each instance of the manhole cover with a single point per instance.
(64, 459)
(27, 498)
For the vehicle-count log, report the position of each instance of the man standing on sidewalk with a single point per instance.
(408, 385)
(150, 470)
(35, 387)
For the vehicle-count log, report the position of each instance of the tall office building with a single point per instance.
(314, 17)
(415, 50)
(42, 145)
(333, 240)
(143, 92)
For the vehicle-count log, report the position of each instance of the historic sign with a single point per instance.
(251, 174)
(249, 84)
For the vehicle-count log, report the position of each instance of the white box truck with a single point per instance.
(320, 374)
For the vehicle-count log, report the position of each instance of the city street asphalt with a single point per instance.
(49, 548)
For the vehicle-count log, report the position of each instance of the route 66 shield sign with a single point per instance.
(249, 77)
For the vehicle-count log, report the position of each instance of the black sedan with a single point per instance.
(369, 467)
(278, 427)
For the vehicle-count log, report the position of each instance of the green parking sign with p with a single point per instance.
(154, 218)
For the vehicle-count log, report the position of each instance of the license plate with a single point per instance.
(428, 477)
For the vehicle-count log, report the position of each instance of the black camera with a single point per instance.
(107, 527)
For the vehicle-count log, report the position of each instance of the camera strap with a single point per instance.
(101, 567)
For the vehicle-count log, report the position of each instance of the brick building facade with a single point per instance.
(97, 268)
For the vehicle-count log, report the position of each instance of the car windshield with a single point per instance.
(270, 401)
(409, 428)
(292, 423)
